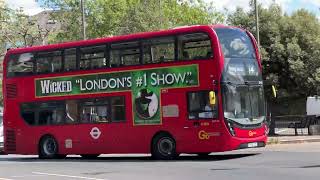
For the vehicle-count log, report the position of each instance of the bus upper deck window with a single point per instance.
(48, 62)
(93, 57)
(161, 49)
(125, 54)
(70, 59)
(235, 43)
(194, 46)
(20, 64)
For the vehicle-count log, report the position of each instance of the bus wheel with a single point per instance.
(89, 156)
(164, 147)
(48, 148)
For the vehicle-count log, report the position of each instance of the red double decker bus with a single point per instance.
(194, 89)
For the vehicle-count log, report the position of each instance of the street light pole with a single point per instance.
(83, 20)
(257, 22)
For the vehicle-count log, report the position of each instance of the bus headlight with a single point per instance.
(266, 129)
(230, 127)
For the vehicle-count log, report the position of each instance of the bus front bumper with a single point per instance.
(251, 145)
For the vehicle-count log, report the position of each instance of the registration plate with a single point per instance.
(251, 145)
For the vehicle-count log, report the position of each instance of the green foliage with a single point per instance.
(4, 18)
(115, 17)
(18, 30)
(290, 48)
(104, 18)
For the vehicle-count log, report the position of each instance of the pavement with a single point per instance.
(287, 136)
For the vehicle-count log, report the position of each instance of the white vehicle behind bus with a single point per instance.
(313, 106)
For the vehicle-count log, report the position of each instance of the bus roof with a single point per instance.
(141, 35)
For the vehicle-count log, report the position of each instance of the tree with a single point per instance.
(4, 17)
(20, 30)
(289, 46)
(156, 14)
(115, 17)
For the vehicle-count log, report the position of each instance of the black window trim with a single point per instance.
(36, 109)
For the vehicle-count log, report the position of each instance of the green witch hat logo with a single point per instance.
(146, 104)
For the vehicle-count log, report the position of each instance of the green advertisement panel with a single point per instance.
(145, 86)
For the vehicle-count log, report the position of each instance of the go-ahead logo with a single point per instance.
(203, 135)
(252, 133)
(95, 133)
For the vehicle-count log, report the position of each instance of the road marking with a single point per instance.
(63, 175)
(24, 176)
(5, 179)
(283, 130)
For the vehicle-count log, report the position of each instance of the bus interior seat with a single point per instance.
(198, 57)
(185, 55)
(161, 58)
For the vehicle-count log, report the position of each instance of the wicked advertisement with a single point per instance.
(145, 86)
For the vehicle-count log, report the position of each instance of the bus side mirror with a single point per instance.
(274, 91)
(212, 98)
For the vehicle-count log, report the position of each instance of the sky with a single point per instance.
(31, 7)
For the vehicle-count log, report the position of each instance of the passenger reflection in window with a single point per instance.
(95, 110)
(208, 110)
(57, 116)
(72, 111)
(102, 112)
(86, 115)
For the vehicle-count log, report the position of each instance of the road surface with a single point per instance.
(285, 162)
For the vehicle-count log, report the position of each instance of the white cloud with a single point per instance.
(314, 2)
(283, 3)
(30, 7)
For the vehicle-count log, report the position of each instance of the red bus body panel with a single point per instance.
(124, 137)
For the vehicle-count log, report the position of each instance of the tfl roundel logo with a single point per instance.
(95, 133)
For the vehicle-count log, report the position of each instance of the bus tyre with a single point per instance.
(89, 156)
(48, 148)
(164, 147)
